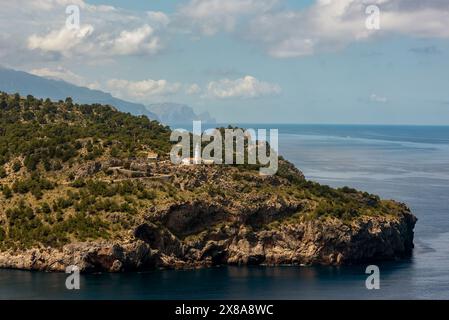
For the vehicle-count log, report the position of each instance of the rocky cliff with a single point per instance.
(222, 215)
(326, 241)
(89, 186)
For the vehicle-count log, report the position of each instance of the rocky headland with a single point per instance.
(107, 199)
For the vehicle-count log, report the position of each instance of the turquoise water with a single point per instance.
(407, 163)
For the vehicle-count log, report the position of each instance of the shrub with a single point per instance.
(2, 234)
(78, 183)
(7, 192)
(45, 207)
(147, 194)
(2, 172)
(16, 166)
(36, 191)
(35, 185)
(63, 203)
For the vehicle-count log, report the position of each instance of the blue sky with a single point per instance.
(248, 61)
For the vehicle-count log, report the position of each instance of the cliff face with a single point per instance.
(297, 241)
(81, 185)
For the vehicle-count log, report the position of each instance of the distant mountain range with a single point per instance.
(13, 81)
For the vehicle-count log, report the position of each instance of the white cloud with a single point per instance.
(141, 40)
(246, 87)
(193, 89)
(62, 73)
(36, 31)
(329, 25)
(212, 16)
(378, 99)
(69, 42)
(142, 90)
(146, 90)
(48, 5)
(63, 40)
(158, 17)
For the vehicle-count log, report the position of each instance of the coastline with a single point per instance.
(315, 242)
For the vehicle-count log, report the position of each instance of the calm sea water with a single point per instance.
(410, 164)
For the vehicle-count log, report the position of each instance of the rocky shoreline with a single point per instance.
(326, 241)
(102, 201)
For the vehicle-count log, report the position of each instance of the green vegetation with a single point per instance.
(16, 166)
(49, 134)
(7, 192)
(35, 184)
(44, 138)
(2, 172)
(46, 201)
(26, 229)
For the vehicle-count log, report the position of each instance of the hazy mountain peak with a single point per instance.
(176, 113)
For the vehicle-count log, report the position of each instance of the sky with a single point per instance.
(246, 61)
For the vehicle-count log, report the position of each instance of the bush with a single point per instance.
(35, 185)
(16, 166)
(147, 194)
(346, 189)
(63, 203)
(345, 211)
(57, 166)
(2, 234)
(2, 173)
(7, 192)
(45, 207)
(78, 183)
(36, 191)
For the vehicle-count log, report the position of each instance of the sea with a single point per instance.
(406, 163)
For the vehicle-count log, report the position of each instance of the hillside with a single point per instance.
(12, 81)
(78, 187)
